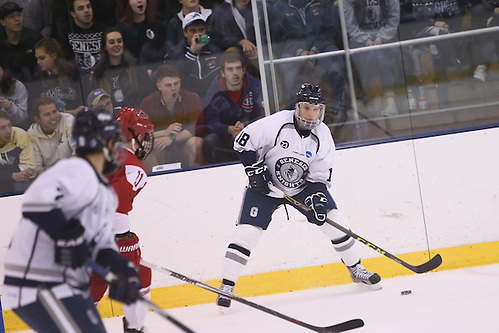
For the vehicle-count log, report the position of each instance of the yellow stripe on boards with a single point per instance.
(296, 279)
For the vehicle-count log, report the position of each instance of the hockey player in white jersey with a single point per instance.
(67, 218)
(294, 150)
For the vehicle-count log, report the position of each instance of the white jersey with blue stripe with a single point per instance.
(292, 158)
(73, 186)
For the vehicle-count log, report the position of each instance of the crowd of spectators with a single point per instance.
(194, 68)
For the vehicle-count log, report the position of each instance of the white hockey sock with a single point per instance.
(238, 252)
(136, 313)
(342, 243)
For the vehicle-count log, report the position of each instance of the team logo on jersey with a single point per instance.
(371, 14)
(247, 103)
(291, 171)
(308, 153)
(284, 144)
(150, 34)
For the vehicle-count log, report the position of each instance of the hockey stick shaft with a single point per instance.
(110, 277)
(348, 325)
(423, 268)
(57, 311)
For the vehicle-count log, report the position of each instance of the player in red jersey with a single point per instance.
(130, 179)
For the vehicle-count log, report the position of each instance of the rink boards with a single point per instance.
(435, 194)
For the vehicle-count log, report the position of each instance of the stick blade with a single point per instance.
(430, 265)
(344, 326)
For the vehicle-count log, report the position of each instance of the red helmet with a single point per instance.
(133, 123)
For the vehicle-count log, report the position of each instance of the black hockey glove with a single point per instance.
(259, 176)
(125, 288)
(71, 248)
(317, 203)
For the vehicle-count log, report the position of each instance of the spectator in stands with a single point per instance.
(100, 98)
(17, 159)
(174, 112)
(118, 73)
(236, 101)
(17, 43)
(144, 36)
(81, 38)
(102, 12)
(369, 24)
(196, 59)
(428, 19)
(37, 15)
(487, 45)
(175, 32)
(233, 28)
(51, 133)
(13, 97)
(156, 7)
(308, 28)
(58, 77)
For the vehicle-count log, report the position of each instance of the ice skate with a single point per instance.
(130, 330)
(222, 301)
(361, 275)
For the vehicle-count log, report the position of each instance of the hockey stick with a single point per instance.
(57, 311)
(423, 268)
(341, 327)
(110, 277)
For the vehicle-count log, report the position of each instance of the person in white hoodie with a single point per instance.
(51, 133)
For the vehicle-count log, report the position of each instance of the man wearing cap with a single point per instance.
(195, 57)
(17, 43)
(100, 98)
(175, 32)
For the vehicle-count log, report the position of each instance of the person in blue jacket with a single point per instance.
(305, 28)
(235, 100)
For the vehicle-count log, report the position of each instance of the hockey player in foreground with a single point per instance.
(128, 181)
(67, 218)
(295, 151)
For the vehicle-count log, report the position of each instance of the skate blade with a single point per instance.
(376, 286)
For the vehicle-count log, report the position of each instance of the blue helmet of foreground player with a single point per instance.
(310, 94)
(96, 130)
(93, 128)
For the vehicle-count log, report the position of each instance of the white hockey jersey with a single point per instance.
(74, 187)
(291, 158)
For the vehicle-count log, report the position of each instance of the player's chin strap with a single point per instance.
(111, 277)
(423, 268)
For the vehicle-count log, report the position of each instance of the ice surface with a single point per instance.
(464, 300)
